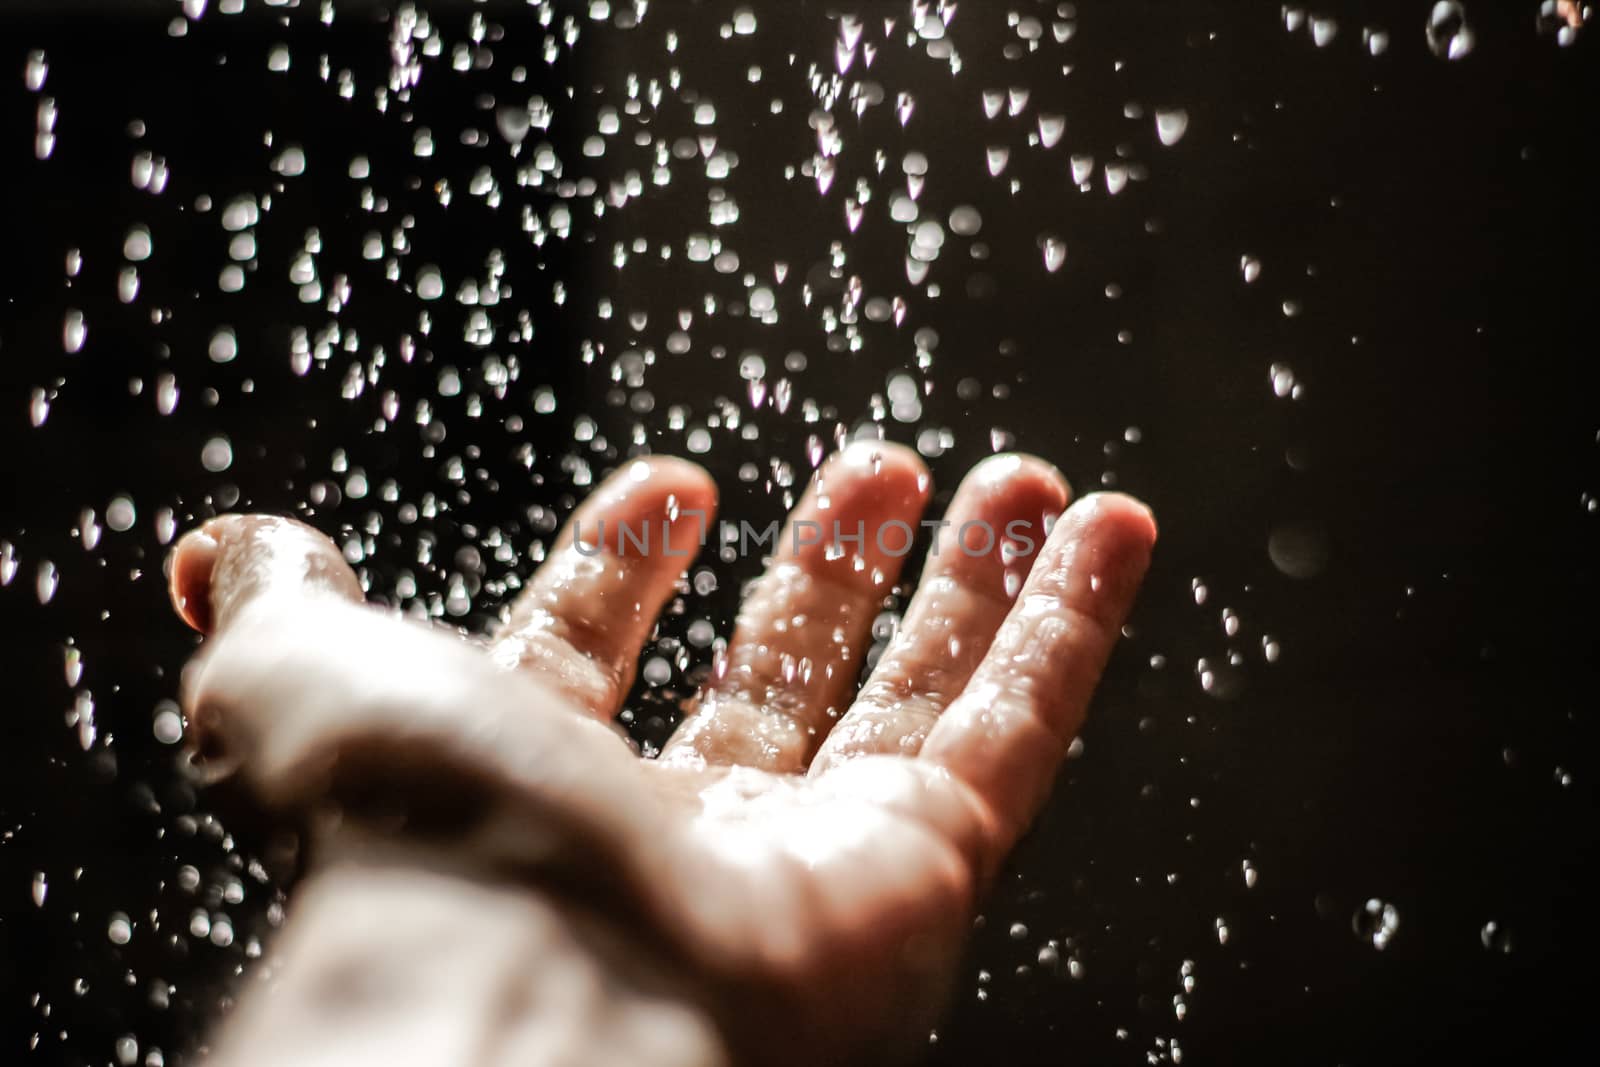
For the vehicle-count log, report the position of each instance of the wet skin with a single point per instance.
(498, 877)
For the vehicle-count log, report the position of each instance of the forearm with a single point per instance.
(391, 960)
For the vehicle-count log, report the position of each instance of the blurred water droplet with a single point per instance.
(224, 346)
(1376, 923)
(120, 515)
(1051, 127)
(1495, 938)
(1055, 252)
(1171, 124)
(136, 246)
(217, 455)
(45, 581)
(167, 725)
(965, 221)
(35, 71)
(430, 283)
(73, 331)
(1298, 549)
(1449, 36)
(166, 394)
(1563, 18)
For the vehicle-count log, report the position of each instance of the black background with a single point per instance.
(1425, 737)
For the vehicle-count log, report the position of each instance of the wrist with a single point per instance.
(391, 958)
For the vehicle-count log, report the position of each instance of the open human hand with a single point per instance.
(498, 877)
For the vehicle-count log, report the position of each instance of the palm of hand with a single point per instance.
(815, 870)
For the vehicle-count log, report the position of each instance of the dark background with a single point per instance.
(1424, 738)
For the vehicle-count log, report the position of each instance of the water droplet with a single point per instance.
(167, 725)
(1376, 923)
(1563, 18)
(1171, 125)
(1051, 127)
(965, 221)
(217, 455)
(136, 247)
(1449, 36)
(45, 581)
(73, 331)
(35, 71)
(291, 162)
(430, 283)
(1495, 938)
(166, 394)
(127, 285)
(224, 346)
(1298, 549)
(120, 514)
(1055, 252)
(656, 671)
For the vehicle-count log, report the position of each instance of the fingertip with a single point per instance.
(1028, 482)
(648, 492)
(896, 474)
(690, 484)
(1129, 517)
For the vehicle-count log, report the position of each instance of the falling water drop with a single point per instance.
(1051, 127)
(965, 221)
(45, 581)
(73, 331)
(1376, 922)
(1449, 36)
(1298, 549)
(217, 455)
(35, 72)
(1055, 252)
(224, 346)
(1171, 124)
(430, 283)
(136, 247)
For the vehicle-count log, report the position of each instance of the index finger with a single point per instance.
(1006, 733)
